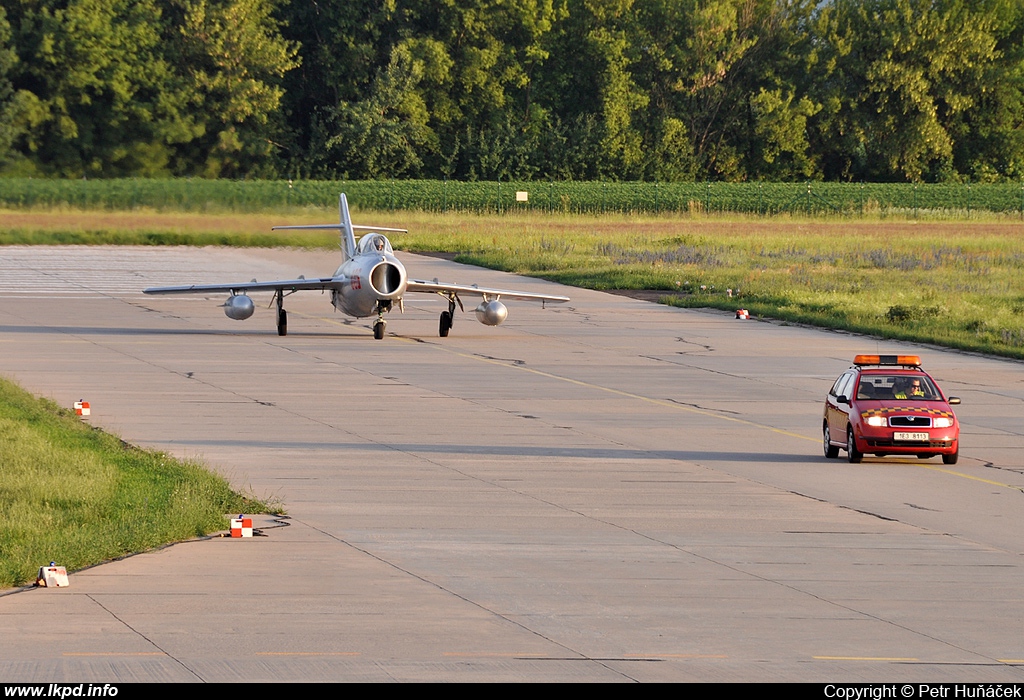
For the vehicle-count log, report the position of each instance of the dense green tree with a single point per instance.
(590, 89)
(482, 58)
(896, 78)
(146, 87)
(725, 79)
(501, 89)
(720, 36)
(779, 96)
(98, 97)
(231, 57)
(385, 134)
(8, 57)
(988, 138)
(467, 65)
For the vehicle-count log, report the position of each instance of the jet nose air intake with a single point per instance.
(387, 279)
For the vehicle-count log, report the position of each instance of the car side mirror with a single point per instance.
(842, 399)
(954, 400)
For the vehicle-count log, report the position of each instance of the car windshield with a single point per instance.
(880, 387)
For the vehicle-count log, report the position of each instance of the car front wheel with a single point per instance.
(852, 453)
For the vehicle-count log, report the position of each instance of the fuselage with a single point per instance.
(372, 280)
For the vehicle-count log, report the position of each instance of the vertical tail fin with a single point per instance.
(348, 235)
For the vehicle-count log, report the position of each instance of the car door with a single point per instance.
(838, 413)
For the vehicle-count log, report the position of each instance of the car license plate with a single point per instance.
(910, 437)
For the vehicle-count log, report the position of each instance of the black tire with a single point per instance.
(445, 324)
(852, 453)
(831, 451)
(951, 459)
(282, 322)
(378, 330)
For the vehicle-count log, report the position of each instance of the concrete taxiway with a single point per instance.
(608, 490)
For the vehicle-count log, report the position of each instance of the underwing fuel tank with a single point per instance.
(239, 307)
(491, 313)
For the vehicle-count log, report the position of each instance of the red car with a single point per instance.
(888, 405)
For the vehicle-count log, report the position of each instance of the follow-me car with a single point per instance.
(888, 405)
(370, 281)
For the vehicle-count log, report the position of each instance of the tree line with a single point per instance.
(656, 90)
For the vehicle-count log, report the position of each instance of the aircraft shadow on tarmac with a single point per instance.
(515, 451)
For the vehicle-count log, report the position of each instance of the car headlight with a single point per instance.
(942, 423)
(876, 421)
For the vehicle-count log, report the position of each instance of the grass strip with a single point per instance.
(944, 283)
(73, 494)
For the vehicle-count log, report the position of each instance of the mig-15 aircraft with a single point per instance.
(370, 281)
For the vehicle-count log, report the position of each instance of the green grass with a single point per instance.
(147, 227)
(956, 285)
(108, 236)
(72, 494)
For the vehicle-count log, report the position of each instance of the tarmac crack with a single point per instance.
(680, 339)
(121, 621)
(578, 655)
(704, 408)
(519, 363)
(740, 570)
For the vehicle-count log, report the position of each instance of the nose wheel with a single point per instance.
(383, 306)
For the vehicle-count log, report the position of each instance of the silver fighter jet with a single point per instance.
(370, 281)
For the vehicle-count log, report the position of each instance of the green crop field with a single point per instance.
(872, 200)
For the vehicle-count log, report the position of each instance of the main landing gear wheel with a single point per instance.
(448, 317)
(282, 315)
(852, 453)
(831, 451)
(378, 330)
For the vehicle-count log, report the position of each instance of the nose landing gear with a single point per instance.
(380, 324)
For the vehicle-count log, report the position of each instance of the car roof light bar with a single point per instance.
(895, 360)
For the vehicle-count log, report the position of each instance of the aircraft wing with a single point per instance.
(436, 287)
(320, 283)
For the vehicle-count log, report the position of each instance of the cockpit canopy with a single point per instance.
(374, 243)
